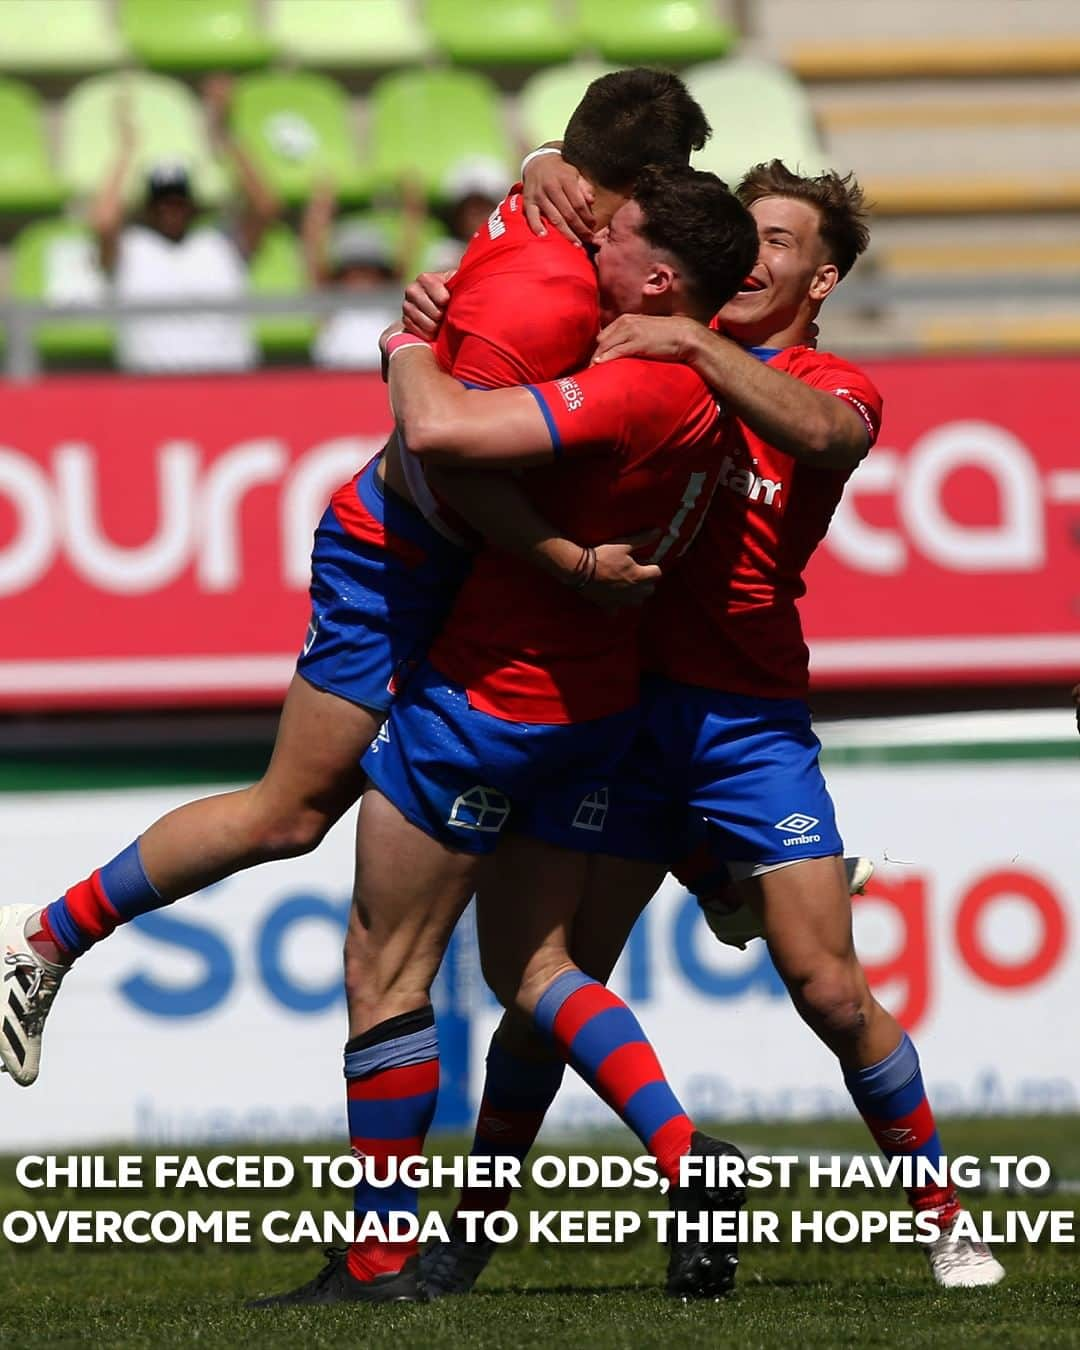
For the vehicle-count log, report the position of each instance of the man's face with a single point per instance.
(787, 273)
(623, 263)
(171, 214)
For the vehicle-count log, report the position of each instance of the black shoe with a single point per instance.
(698, 1268)
(335, 1284)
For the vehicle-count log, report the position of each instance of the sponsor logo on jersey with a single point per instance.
(798, 826)
(484, 809)
(747, 483)
(571, 393)
(496, 225)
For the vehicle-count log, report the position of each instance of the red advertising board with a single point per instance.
(154, 533)
(955, 554)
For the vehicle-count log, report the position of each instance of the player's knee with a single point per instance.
(836, 1003)
(292, 835)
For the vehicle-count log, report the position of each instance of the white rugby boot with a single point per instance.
(26, 994)
(964, 1263)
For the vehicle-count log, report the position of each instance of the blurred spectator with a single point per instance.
(356, 257)
(168, 253)
(474, 187)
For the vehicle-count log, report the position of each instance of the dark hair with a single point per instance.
(707, 230)
(629, 119)
(838, 200)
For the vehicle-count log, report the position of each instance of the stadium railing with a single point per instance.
(871, 294)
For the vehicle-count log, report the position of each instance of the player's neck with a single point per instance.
(799, 332)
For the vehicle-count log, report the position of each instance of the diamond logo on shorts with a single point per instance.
(484, 809)
(797, 823)
(312, 634)
(592, 813)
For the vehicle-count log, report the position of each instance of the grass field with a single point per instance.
(787, 1295)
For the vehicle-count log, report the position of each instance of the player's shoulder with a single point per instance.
(825, 370)
(506, 238)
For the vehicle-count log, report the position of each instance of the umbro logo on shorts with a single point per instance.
(796, 823)
(797, 827)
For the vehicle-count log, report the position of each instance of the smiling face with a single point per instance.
(792, 276)
(632, 277)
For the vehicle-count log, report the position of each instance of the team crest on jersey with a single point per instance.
(484, 809)
(592, 813)
(571, 393)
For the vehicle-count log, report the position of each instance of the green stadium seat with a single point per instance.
(27, 181)
(278, 269)
(185, 35)
(427, 121)
(758, 112)
(169, 126)
(56, 260)
(297, 129)
(549, 97)
(501, 32)
(389, 224)
(44, 36)
(654, 32)
(346, 36)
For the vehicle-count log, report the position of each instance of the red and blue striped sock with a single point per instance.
(891, 1098)
(392, 1078)
(91, 909)
(517, 1094)
(603, 1040)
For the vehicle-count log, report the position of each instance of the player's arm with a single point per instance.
(812, 425)
(497, 507)
(439, 419)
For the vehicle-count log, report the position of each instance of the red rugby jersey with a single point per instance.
(727, 618)
(522, 309)
(640, 446)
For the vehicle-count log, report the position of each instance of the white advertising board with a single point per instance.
(222, 1017)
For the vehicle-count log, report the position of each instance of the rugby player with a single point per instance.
(383, 574)
(527, 701)
(725, 759)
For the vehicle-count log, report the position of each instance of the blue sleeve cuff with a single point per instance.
(553, 430)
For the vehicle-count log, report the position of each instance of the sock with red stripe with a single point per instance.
(603, 1040)
(892, 1100)
(517, 1094)
(91, 909)
(392, 1080)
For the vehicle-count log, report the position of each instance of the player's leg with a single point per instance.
(525, 948)
(381, 581)
(313, 777)
(806, 914)
(410, 891)
(522, 1070)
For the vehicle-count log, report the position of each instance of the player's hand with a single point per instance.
(426, 300)
(555, 191)
(620, 581)
(660, 339)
